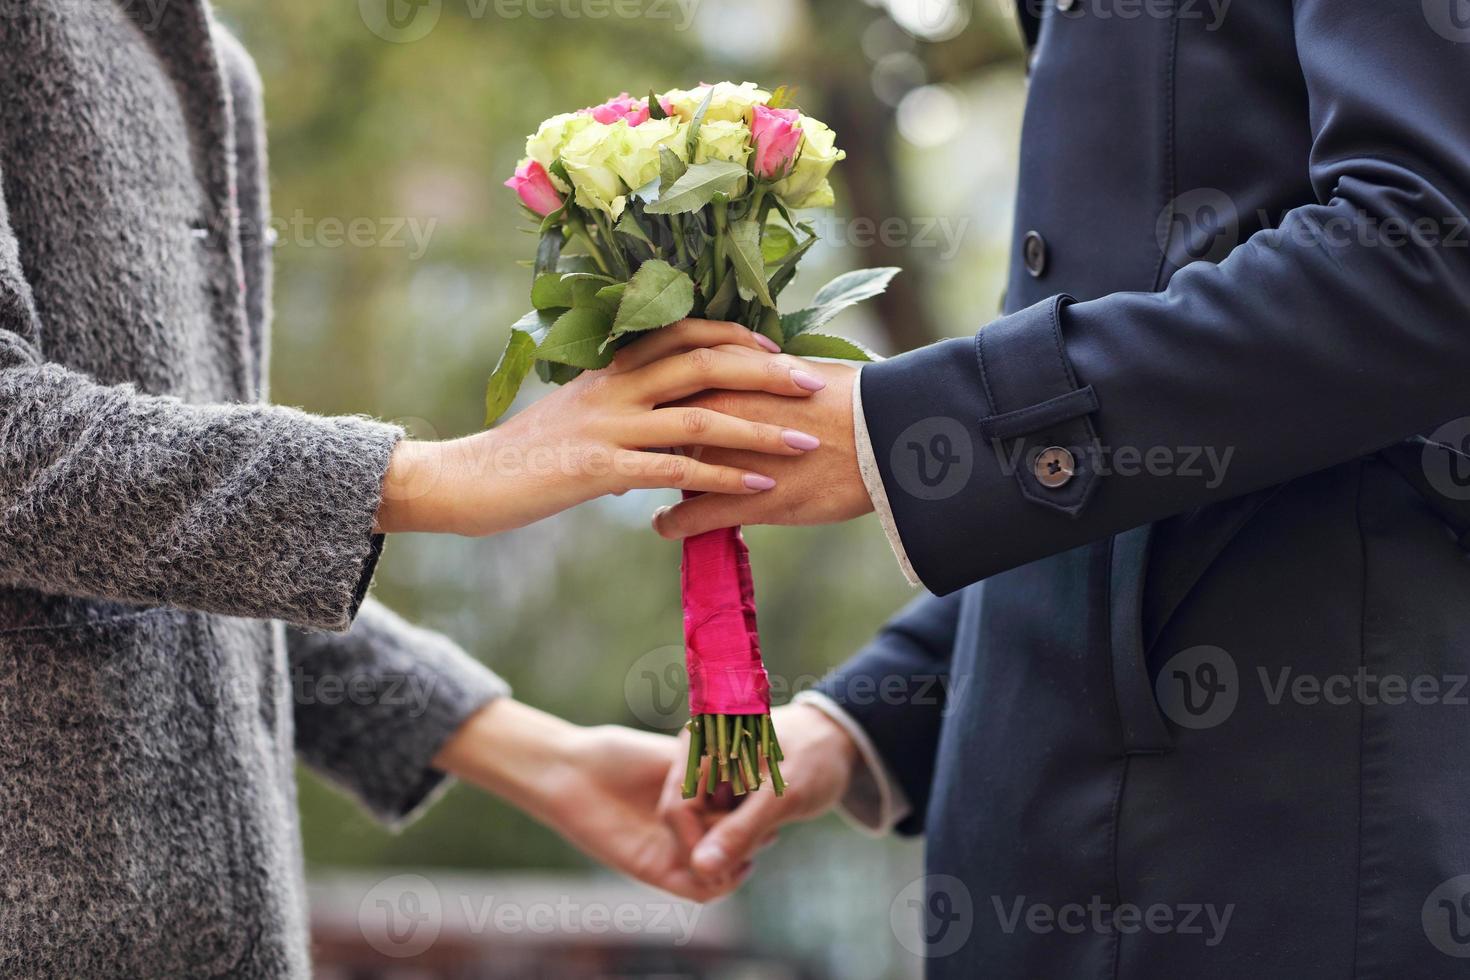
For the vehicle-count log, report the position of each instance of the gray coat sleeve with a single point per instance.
(245, 510)
(374, 705)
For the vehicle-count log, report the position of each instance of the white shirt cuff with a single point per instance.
(873, 481)
(874, 803)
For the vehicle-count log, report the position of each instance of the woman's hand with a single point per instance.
(722, 834)
(596, 436)
(597, 787)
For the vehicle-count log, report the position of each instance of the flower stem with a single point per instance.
(738, 748)
(721, 225)
(604, 228)
(696, 751)
(579, 230)
(676, 226)
(722, 725)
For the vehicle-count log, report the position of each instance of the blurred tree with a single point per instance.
(850, 44)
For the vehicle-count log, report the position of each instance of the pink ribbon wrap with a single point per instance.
(722, 647)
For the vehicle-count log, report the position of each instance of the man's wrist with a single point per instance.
(872, 800)
(872, 478)
(833, 744)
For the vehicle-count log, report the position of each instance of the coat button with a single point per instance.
(1055, 467)
(1033, 250)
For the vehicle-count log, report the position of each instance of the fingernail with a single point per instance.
(808, 381)
(658, 514)
(768, 343)
(754, 481)
(800, 440)
(710, 856)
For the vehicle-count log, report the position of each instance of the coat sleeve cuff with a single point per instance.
(375, 705)
(875, 804)
(873, 482)
(985, 447)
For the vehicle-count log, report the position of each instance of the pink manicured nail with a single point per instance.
(800, 440)
(808, 381)
(768, 343)
(754, 481)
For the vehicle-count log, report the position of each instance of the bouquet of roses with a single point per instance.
(650, 211)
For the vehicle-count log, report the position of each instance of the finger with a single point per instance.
(703, 427)
(685, 884)
(687, 335)
(733, 841)
(640, 470)
(703, 369)
(699, 514)
(686, 819)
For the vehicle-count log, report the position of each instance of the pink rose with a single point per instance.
(777, 138)
(535, 188)
(635, 111)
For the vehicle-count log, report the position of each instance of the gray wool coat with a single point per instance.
(180, 562)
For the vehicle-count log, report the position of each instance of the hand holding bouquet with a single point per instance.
(650, 211)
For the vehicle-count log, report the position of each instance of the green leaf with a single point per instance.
(612, 295)
(552, 220)
(854, 287)
(556, 374)
(826, 345)
(745, 255)
(718, 306)
(549, 251)
(649, 192)
(777, 241)
(786, 271)
(698, 121)
(770, 325)
(670, 169)
(587, 291)
(576, 339)
(629, 225)
(509, 374)
(781, 98)
(548, 292)
(698, 187)
(655, 107)
(558, 290)
(846, 290)
(657, 295)
(577, 264)
(537, 323)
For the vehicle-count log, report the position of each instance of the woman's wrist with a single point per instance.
(513, 751)
(413, 472)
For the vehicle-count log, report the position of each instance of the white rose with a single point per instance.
(807, 185)
(730, 102)
(588, 157)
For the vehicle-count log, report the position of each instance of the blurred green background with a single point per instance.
(405, 134)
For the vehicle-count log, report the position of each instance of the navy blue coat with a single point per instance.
(1188, 698)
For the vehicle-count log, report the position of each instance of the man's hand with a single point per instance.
(605, 433)
(597, 787)
(819, 487)
(818, 767)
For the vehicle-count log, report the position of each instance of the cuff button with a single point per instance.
(1033, 254)
(1055, 467)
